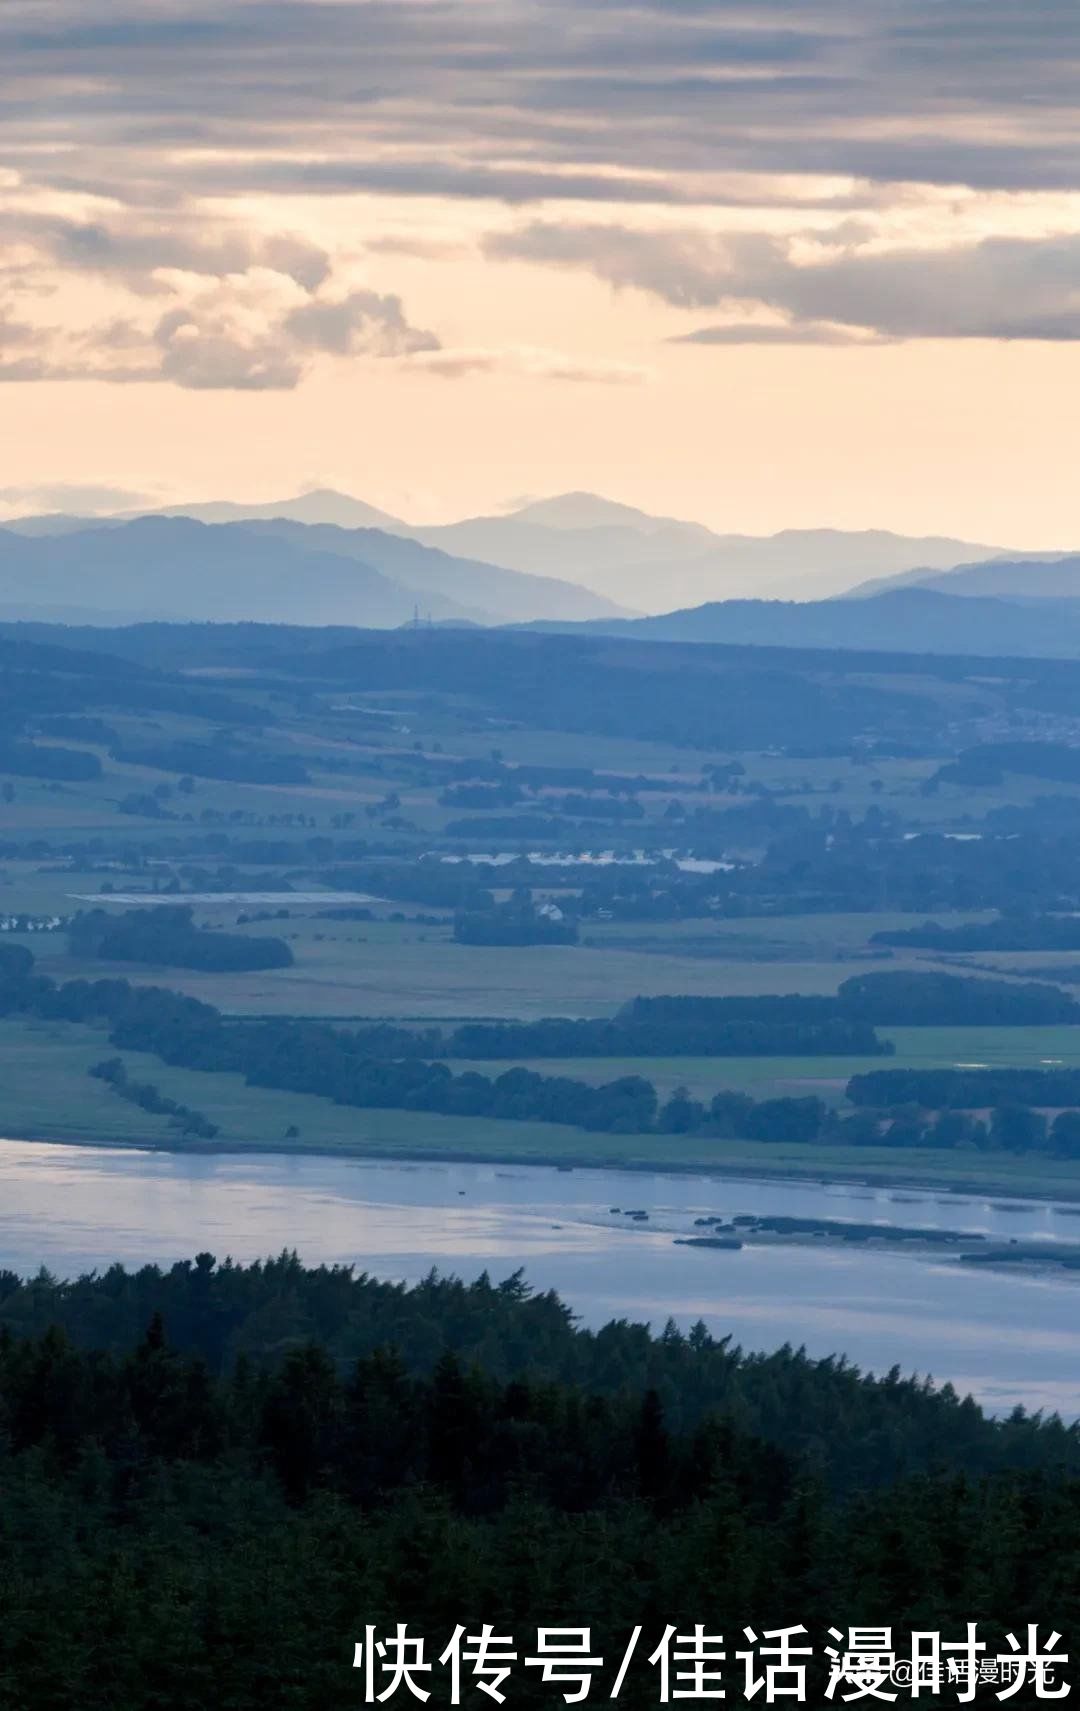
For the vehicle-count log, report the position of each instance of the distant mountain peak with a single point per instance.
(582, 510)
(207, 568)
(654, 563)
(317, 505)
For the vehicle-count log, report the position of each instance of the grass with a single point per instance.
(1015, 1048)
(763, 1078)
(352, 969)
(48, 1095)
(1059, 968)
(785, 938)
(783, 1077)
(384, 968)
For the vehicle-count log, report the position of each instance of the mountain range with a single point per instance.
(899, 620)
(653, 563)
(271, 571)
(327, 558)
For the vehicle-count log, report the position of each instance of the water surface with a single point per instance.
(1009, 1338)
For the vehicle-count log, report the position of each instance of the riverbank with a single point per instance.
(47, 1094)
(748, 1161)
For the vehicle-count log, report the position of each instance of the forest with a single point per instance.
(168, 936)
(215, 1478)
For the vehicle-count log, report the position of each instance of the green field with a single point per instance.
(1019, 1048)
(783, 938)
(349, 969)
(47, 1094)
(785, 1077)
(764, 1078)
(405, 969)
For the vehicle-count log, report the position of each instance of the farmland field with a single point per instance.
(48, 1094)
(798, 857)
(376, 969)
(776, 1077)
(383, 967)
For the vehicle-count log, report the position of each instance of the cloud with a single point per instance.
(530, 362)
(360, 321)
(526, 99)
(20, 358)
(769, 333)
(139, 145)
(425, 177)
(138, 249)
(78, 499)
(228, 308)
(226, 338)
(256, 332)
(999, 288)
(207, 349)
(253, 332)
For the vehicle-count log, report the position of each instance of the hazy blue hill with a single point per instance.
(916, 620)
(585, 681)
(577, 556)
(648, 562)
(490, 592)
(1050, 576)
(582, 510)
(56, 523)
(274, 571)
(180, 568)
(321, 505)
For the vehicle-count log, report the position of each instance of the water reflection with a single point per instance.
(1008, 1338)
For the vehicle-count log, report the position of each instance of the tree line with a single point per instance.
(966, 1089)
(738, 1025)
(148, 1097)
(898, 999)
(232, 762)
(166, 935)
(344, 1065)
(1017, 931)
(599, 1037)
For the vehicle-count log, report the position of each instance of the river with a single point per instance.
(1008, 1338)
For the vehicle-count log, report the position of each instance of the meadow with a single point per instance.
(399, 969)
(48, 1094)
(415, 971)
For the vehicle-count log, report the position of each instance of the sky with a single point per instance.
(770, 264)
